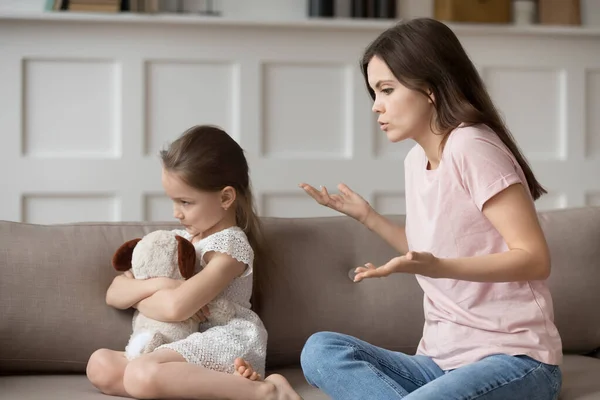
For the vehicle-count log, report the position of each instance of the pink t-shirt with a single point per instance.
(466, 321)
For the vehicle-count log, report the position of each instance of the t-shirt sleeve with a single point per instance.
(485, 165)
(235, 244)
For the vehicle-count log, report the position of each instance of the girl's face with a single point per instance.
(403, 113)
(200, 212)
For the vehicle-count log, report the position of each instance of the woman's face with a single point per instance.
(403, 113)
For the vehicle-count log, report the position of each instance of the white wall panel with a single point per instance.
(87, 101)
(157, 207)
(529, 100)
(71, 108)
(389, 203)
(183, 93)
(592, 87)
(293, 205)
(593, 199)
(306, 111)
(58, 208)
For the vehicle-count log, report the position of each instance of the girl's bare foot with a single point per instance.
(245, 370)
(282, 388)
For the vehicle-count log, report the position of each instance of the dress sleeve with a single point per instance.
(234, 243)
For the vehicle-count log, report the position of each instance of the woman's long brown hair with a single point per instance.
(425, 55)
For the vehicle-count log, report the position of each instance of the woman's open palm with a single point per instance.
(346, 202)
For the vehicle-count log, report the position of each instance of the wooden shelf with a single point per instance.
(342, 24)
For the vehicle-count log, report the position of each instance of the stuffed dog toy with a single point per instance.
(162, 253)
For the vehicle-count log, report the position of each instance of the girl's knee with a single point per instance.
(104, 372)
(140, 378)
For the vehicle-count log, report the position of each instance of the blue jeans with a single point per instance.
(347, 368)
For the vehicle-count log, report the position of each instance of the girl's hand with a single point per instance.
(412, 262)
(202, 315)
(347, 202)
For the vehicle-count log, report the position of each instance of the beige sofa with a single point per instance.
(53, 281)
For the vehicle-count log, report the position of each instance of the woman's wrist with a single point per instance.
(370, 219)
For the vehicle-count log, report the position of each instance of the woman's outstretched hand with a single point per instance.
(413, 262)
(347, 202)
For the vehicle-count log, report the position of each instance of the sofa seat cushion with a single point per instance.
(580, 378)
(49, 387)
(580, 382)
(76, 386)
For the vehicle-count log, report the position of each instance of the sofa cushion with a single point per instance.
(53, 281)
(574, 239)
(310, 290)
(580, 382)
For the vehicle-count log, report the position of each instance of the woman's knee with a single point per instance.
(141, 377)
(318, 352)
(104, 372)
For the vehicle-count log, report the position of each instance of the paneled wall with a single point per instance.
(88, 101)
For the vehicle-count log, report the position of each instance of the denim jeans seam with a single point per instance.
(408, 377)
(381, 376)
(556, 384)
(539, 366)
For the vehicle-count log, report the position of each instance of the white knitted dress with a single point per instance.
(216, 347)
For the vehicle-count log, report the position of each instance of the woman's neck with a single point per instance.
(432, 146)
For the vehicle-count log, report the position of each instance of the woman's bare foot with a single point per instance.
(282, 390)
(245, 370)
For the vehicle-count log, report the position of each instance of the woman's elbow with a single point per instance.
(544, 272)
(543, 266)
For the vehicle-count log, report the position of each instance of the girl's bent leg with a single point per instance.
(105, 370)
(348, 368)
(497, 377)
(164, 374)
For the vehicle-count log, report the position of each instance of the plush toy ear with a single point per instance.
(186, 257)
(121, 260)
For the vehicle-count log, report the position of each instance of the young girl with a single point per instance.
(205, 173)
(472, 238)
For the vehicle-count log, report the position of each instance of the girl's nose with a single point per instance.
(177, 213)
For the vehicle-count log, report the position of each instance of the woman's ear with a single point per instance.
(431, 96)
(121, 260)
(186, 257)
(228, 195)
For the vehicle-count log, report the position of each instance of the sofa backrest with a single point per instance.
(311, 290)
(53, 281)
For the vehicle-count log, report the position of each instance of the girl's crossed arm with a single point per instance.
(125, 291)
(181, 303)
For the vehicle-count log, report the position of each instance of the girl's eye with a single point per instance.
(185, 203)
(387, 90)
